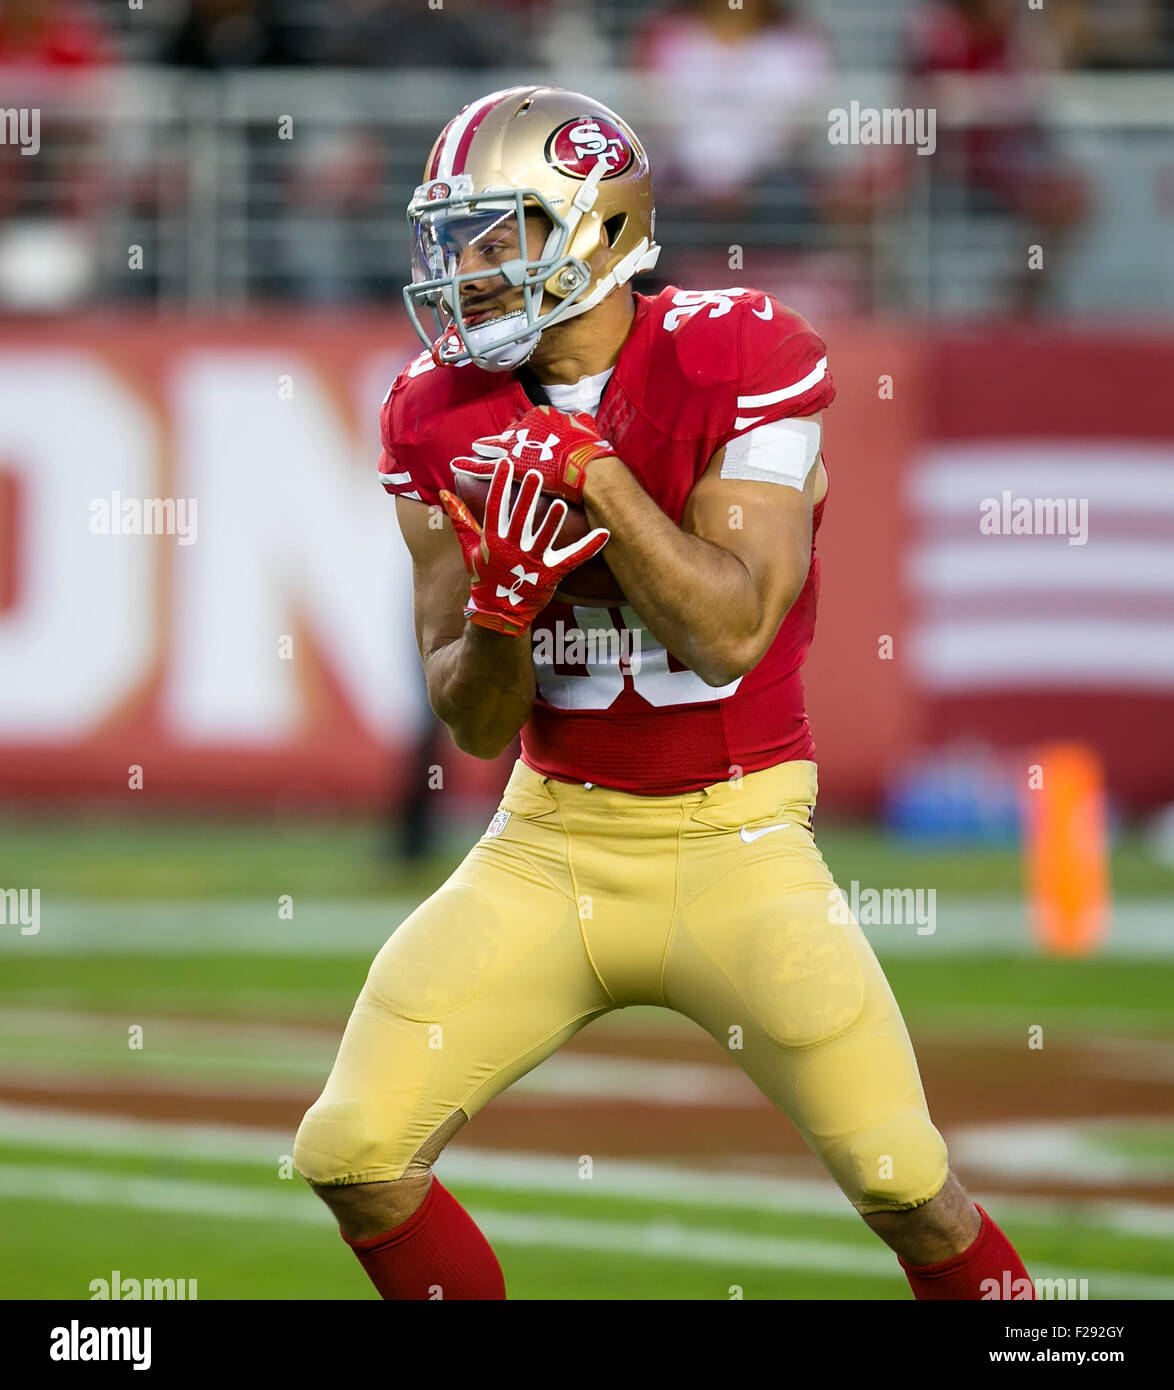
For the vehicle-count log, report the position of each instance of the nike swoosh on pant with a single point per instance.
(749, 836)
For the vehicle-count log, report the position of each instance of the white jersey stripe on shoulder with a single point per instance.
(813, 378)
(395, 479)
(743, 422)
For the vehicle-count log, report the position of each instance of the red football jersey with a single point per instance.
(698, 369)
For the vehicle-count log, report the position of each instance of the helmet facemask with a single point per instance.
(537, 151)
(450, 221)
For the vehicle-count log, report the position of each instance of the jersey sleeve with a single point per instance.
(783, 376)
(397, 481)
(401, 469)
(784, 368)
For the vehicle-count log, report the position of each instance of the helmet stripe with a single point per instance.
(455, 149)
(434, 163)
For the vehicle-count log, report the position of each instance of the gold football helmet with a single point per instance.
(503, 159)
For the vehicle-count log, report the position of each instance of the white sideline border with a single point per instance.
(344, 926)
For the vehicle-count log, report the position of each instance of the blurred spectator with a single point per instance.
(1010, 164)
(48, 35)
(346, 33)
(732, 85)
(1114, 34)
(407, 33)
(231, 34)
(330, 193)
(994, 155)
(568, 38)
(50, 204)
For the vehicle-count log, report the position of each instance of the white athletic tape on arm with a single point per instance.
(781, 452)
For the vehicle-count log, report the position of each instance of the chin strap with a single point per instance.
(450, 342)
(642, 257)
(581, 204)
(482, 347)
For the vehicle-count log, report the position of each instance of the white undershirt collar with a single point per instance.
(585, 394)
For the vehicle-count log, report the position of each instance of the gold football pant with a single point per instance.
(580, 900)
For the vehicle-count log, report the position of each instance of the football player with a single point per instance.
(653, 844)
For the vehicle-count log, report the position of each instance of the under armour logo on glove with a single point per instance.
(561, 456)
(515, 541)
(524, 577)
(523, 442)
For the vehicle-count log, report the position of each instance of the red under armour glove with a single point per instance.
(514, 566)
(559, 446)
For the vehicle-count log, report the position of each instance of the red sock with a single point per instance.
(991, 1260)
(438, 1252)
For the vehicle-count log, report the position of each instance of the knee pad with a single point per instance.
(336, 1143)
(341, 1142)
(895, 1165)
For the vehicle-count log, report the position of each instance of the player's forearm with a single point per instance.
(697, 599)
(482, 687)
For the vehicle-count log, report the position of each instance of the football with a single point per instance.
(592, 584)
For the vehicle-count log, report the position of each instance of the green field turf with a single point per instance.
(243, 1232)
(1131, 996)
(179, 858)
(78, 1200)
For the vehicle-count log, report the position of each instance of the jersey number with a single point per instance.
(689, 302)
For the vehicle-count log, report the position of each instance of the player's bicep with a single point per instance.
(756, 501)
(440, 582)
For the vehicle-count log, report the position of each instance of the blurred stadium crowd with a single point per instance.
(406, 33)
(159, 130)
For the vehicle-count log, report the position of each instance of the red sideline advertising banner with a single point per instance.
(1040, 553)
(261, 652)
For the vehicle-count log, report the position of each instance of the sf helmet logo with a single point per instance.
(525, 576)
(523, 442)
(590, 141)
(577, 146)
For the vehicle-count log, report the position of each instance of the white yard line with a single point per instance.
(69, 1131)
(18, 1021)
(46, 1043)
(634, 1240)
(1063, 1152)
(36, 1039)
(209, 926)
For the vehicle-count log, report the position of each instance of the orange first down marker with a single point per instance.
(1066, 850)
